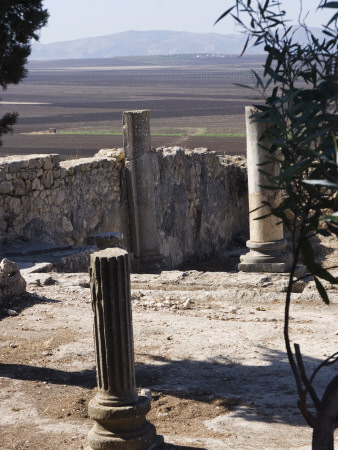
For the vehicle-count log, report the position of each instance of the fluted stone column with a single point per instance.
(267, 243)
(119, 413)
(141, 194)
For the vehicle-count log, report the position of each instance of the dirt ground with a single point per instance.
(188, 95)
(208, 345)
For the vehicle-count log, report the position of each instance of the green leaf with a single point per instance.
(295, 169)
(329, 5)
(275, 75)
(244, 86)
(258, 78)
(322, 183)
(307, 251)
(319, 271)
(332, 218)
(224, 14)
(322, 291)
(245, 45)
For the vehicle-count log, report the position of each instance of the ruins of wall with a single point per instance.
(43, 199)
(201, 202)
(200, 199)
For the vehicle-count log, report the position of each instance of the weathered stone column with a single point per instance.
(118, 411)
(141, 194)
(267, 243)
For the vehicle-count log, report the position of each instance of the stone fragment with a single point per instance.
(60, 197)
(187, 304)
(67, 225)
(15, 205)
(6, 187)
(105, 240)
(147, 393)
(15, 166)
(12, 284)
(49, 163)
(19, 187)
(36, 185)
(47, 178)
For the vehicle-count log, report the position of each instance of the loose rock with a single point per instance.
(12, 284)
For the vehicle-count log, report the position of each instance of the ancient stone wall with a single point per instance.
(201, 202)
(43, 199)
(200, 199)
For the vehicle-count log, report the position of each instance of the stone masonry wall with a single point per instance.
(201, 202)
(43, 199)
(200, 199)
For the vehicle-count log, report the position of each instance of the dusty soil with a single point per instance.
(208, 345)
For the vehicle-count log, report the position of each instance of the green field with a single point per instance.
(203, 132)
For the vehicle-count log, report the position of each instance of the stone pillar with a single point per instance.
(267, 243)
(141, 194)
(118, 411)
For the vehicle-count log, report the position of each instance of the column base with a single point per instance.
(266, 257)
(122, 427)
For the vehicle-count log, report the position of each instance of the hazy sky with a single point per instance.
(74, 19)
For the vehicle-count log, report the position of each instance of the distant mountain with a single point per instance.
(136, 43)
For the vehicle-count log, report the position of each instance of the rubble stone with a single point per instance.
(12, 284)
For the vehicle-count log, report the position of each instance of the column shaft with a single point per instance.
(267, 243)
(141, 192)
(113, 327)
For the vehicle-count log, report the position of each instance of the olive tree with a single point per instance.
(299, 85)
(20, 21)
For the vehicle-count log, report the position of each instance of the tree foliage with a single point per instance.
(20, 21)
(299, 85)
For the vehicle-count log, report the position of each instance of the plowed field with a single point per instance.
(194, 102)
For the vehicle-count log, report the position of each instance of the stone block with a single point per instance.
(15, 166)
(19, 187)
(28, 185)
(105, 240)
(67, 225)
(12, 284)
(31, 175)
(47, 178)
(36, 185)
(48, 163)
(15, 205)
(264, 267)
(6, 187)
(60, 198)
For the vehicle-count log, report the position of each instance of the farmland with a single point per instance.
(193, 100)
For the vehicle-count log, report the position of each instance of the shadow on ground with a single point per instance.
(25, 301)
(177, 447)
(262, 393)
(84, 378)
